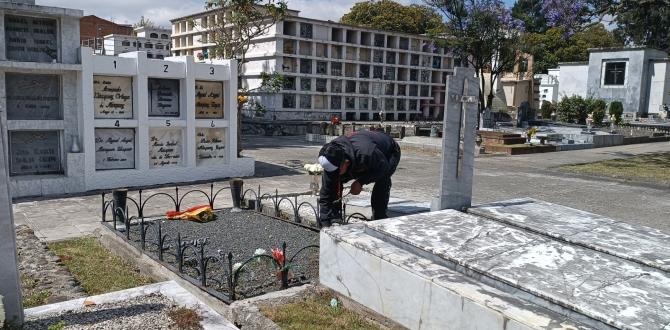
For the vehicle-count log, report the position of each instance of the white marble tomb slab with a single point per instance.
(419, 293)
(641, 244)
(612, 290)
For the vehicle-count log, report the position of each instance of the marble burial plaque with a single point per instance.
(163, 97)
(31, 39)
(33, 96)
(114, 148)
(208, 99)
(34, 152)
(113, 97)
(165, 147)
(210, 144)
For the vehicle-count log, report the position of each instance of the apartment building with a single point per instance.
(332, 68)
(155, 41)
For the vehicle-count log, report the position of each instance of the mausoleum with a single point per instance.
(76, 122)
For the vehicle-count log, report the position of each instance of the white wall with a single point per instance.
(573, 79)
(137, 66)
(659, 87)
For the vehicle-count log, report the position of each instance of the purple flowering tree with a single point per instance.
(570, 15)
(484, 35)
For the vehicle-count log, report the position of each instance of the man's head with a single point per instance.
(333, 158)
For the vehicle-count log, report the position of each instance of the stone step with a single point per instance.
(419, 293)
(644, 245)
(593, 287)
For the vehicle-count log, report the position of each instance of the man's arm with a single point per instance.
(377, 167)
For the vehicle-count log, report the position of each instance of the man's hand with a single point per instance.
(356, 188)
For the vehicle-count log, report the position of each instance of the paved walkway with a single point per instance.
(280, 160)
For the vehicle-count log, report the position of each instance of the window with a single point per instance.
(305, 101)
(321, 85)
(289, 83)
(615, 73)
(335, 68)
(321, 67)
(288, 101)
(153, 35)
(159, 46)
(305, 66)
(350, 87)
(160, 57)
(125, 43)
(336, 102)
(148, 45)
(336, 86)
(164, 36)
(305, 84)
(306, 30)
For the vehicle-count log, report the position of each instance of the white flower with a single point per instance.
(314, 169)
(259, 252)
(236, 266)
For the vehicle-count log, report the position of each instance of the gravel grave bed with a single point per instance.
(242, 233)
(144, 312)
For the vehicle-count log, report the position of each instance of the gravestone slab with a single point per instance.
(113, 97)
(163, 97)
(10, 289)
(210, 146)
(165, 147)
(458, 141)
(647, 246)
(34, 152)
(114, 148)
(31, 39)
(33, 96)
(208, 100)
(609, 290)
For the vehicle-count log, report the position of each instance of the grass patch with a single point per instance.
(95, 268)
(316, 314)
(646, 168)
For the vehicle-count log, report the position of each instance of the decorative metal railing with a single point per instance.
(217, 273)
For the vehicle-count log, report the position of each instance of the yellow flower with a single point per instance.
(242, 99)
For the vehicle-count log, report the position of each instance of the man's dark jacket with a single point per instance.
(373, 156)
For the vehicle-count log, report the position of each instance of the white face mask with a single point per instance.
(327, 166)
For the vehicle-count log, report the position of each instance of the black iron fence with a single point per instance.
(216, 273)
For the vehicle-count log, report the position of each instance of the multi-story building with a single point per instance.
(331, 68)
(154, 41)
(93, 29)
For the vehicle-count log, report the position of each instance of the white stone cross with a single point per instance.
(10, 288)
(458, 141)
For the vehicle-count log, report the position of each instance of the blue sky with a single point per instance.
(129, 11)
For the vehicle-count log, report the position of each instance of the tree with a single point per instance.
(546, 109)
(245, 20)
(616, 111)
(144, 22)
(644, 23)
(597, 108)
(484, 35)
(639, 22)
(552, 47)
(531, 14)
(573, 109)
(389, 15)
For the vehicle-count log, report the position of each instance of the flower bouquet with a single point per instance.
(530, 133)
(315, 171)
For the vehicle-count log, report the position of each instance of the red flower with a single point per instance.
(278, 256)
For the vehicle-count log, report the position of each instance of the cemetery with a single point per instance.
(136, 131)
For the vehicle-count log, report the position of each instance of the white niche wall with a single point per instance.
(197, 143)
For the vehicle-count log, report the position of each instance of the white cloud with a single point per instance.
(160, 12)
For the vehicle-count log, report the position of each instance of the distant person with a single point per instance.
(362, 156)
